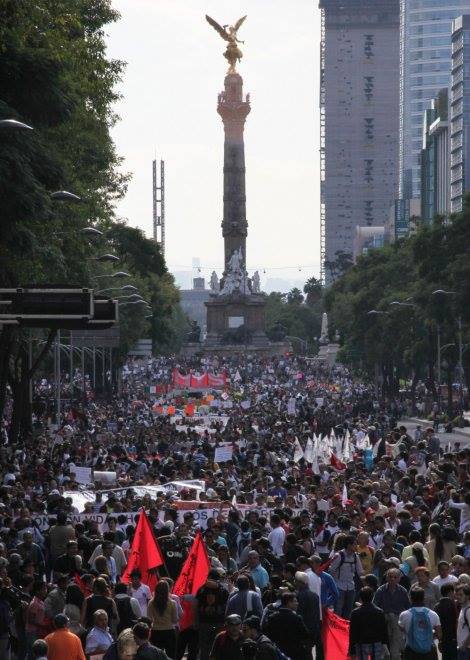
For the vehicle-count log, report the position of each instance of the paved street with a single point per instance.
(458, 435)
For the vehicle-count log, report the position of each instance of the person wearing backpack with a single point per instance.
(346, 568)
(244, 602)
(419, 624)
(462, 595)
(265, 648)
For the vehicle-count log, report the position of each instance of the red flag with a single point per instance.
(145, 554)
(193, 575)
(78, 580)
(336, 463)
(335, 636)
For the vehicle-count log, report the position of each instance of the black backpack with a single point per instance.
(126, 614)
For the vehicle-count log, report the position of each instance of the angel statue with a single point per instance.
(233, 54)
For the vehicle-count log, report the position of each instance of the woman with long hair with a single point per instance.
(440, 548)
(73, 606)
(411, 563)
(163, 614)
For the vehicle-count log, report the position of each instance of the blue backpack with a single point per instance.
(420, 634)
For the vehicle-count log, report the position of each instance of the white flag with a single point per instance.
(344, 496)
(298, 451)
(346, 450)
(309, 451)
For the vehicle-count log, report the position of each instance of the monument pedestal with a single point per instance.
(236, 318)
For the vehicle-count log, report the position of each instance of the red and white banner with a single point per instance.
(216, 380)
(199, 381)
(180, 381)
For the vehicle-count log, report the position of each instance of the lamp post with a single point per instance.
(15, 125)
(119, 274)
(442, 292)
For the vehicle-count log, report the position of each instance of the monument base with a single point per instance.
(236, 324)
(328, 353)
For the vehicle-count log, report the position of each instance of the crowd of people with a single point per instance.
(324, 508)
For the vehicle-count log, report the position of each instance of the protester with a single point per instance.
(227, 644)
(420, 625)
(62, 643)
(320, 493)
(393, 599)
(368, 629)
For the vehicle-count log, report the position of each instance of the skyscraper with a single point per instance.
(460, 113)
(425, 67)
(359, 119)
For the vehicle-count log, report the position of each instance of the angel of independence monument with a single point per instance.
(236, 309)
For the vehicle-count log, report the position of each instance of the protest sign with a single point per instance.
(83, 475)
(106, 478)
(223, 454)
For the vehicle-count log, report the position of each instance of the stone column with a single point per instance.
(233, 109)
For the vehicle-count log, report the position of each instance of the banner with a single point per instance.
(335, 636)
(180, 381)
(199, 381)
(216, 380)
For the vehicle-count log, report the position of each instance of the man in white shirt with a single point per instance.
(444, 576)
(464, 512)
(314, 581)
(277, 536)
(462, 596)
(417, 615)
(139, 591)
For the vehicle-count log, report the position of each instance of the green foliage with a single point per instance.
(313, 290)
(296, 318)
(403, 340)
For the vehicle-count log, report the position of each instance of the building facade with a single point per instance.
(460, 113)
(425, 67)
(435, 172)
(359, 119)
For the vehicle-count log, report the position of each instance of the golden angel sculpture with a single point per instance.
(229, 33)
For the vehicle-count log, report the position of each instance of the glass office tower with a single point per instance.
(425, 67)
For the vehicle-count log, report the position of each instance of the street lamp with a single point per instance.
(397, 303)
(64, 196)
(373, 312)
(126, 287)
(15, 124)
(106, 257)
(91, 231)
(120, 273)
(443, 292)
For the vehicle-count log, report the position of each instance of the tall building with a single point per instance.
(435, 179)
(460, 113)
(358, 119)
(425, 66)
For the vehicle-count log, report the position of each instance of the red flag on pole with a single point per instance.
(193, 575)
(335, 636)
(336, 463)
(145, 554)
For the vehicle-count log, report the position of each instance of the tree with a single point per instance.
(313, 289)
(295, 297)
(340, 264)
(402, 340)
(56, 76)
